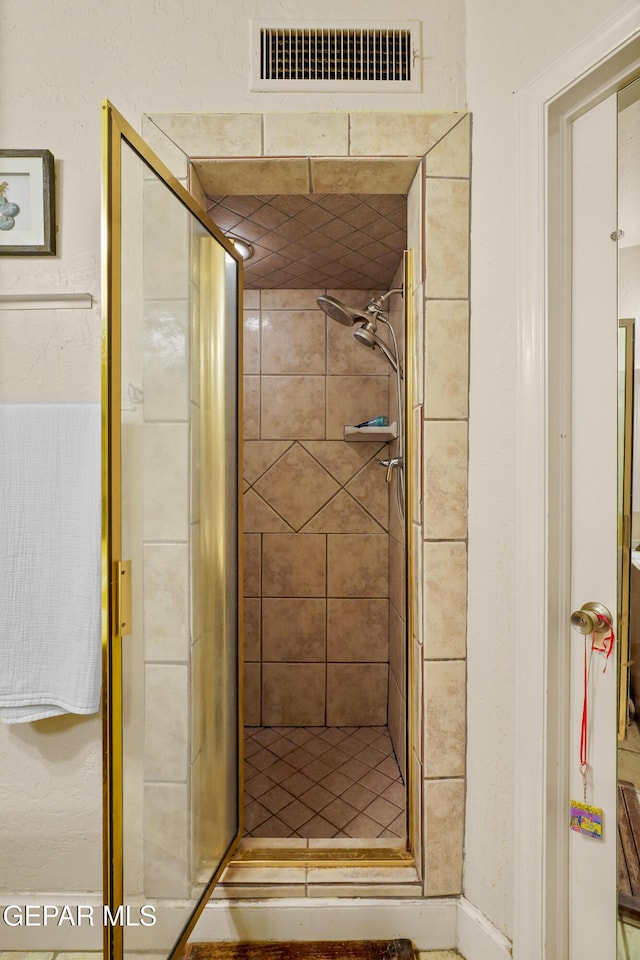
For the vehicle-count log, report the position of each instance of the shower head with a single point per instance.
(340, 311)
(367, 335)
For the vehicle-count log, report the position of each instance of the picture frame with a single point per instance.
(27, 203)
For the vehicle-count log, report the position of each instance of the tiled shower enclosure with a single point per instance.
(349, 153)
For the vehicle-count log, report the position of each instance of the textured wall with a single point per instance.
(165, 56)
(136, 55)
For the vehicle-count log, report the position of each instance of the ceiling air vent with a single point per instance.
(327, 56)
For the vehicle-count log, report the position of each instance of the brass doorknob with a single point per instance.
(592, 617)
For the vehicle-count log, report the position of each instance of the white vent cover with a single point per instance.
(335, 56)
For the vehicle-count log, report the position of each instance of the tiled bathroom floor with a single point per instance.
(322, 782)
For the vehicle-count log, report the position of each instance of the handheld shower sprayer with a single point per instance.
(367, 335)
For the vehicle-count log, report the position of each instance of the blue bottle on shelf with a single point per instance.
(376, 422)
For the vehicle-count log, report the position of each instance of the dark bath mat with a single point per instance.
(304, 950)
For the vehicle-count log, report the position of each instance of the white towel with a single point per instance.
(50, 598)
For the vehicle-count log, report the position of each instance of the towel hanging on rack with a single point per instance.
(50, 596)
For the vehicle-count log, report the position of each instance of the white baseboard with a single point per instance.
(430, 924)
(477, 938)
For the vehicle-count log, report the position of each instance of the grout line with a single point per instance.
(279, 515)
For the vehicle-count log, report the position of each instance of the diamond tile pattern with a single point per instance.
(294, 473)
(322, 782)
(342, 460)
(317, 240)
(302, 491)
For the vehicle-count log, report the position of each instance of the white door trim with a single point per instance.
(595, 68)
(477, 938)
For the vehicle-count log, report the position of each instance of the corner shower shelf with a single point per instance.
(382, 434)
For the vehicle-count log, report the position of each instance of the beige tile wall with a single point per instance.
(438, 213)
(316, 518)
(442, 415)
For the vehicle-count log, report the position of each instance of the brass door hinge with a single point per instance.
(122, 589)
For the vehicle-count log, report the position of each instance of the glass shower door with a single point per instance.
(171, 635)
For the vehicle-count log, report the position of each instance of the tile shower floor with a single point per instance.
(322, 782)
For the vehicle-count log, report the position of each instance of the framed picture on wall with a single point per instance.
(27, 203)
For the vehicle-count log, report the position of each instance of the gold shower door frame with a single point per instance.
(212, 249)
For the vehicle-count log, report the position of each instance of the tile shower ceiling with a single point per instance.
(339, 241)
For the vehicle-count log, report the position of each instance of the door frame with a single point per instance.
(604, 63)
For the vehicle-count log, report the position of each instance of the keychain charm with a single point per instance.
(586, 819)
(592, 621)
